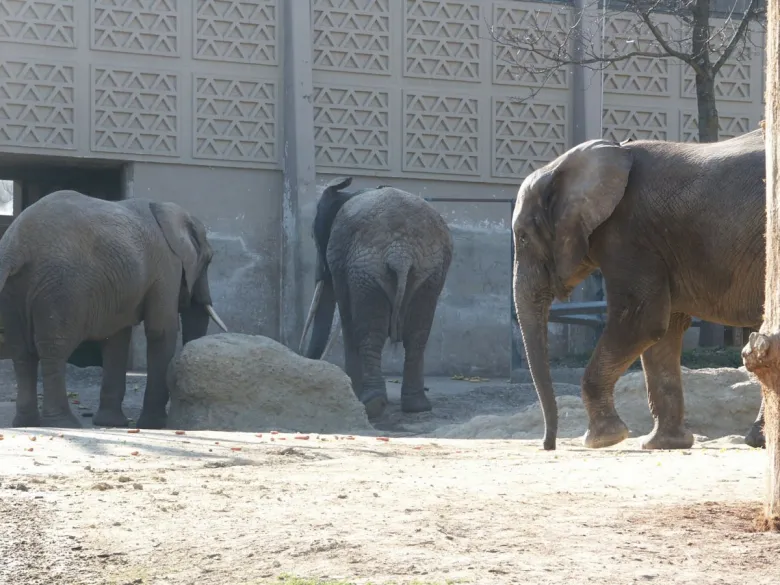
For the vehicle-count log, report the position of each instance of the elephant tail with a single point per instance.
(400, 264)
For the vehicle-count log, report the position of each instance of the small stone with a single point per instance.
(137, 486)
(123, 479)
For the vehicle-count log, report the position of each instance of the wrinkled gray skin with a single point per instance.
(383, 255)
(677, 231)
(75, 268)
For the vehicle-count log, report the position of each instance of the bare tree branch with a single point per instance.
(554, 46)
(739, 34)
(645, 16)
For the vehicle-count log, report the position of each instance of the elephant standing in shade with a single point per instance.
(677, 230)
(383, 255)
(75, 268)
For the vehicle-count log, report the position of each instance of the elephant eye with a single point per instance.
(521, 240)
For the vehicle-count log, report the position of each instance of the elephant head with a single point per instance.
(323, 304)
(557, 209)
(186, 237)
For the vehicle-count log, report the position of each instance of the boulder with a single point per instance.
(236, 382)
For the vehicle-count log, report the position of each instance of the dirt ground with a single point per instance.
(212, 508)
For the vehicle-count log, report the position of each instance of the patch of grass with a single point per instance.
(700, 357)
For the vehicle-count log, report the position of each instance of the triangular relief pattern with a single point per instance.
(351, 127)
(38, 22)
(442, 40)
(526, 136)
(37, 104)
(351, 35)
(441, 134)
(235, 119)
(239, 31)
(148, 27)
(135, 111)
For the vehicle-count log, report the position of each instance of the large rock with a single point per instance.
(236, 382)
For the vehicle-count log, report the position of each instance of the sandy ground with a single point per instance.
(208, 508)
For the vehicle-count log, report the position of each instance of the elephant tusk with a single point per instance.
(333, 335)
(213, 314)
(312, 309)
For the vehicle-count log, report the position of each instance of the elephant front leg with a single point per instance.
(663, 378)
(26, 371)
(115, 352)
(160, 347)
(632, 327)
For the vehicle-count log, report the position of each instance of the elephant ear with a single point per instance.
(339, 183)
(178, 230)
(586, 187)
(331, 201)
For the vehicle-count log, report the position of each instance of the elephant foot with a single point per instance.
(27, 419)
(152, 421)
(417, 402)
(109, 418)
(375, 404)
(755, 437)
(605, 432)
(64, 421)
(682, 438)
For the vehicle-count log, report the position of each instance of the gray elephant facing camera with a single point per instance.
(677, 230)
(382, 255)
(74, 268)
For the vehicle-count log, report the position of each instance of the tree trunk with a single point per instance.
(705, 77)
(710, 334)
(708, 108)
(762, 353)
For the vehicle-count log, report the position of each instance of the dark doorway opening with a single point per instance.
(31, 178)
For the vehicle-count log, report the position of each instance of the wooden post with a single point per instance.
(762, 352)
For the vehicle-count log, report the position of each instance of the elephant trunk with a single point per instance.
(321, 312)
(197, 310)
(533, 309)
(194, 322)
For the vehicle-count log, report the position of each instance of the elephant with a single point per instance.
(73, 269)
(383, 255)
(677, 230)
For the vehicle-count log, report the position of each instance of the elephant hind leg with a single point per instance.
(26, 370)
(115, 352)
(370, 316)
(352, 362)
(755, 436)
(19, 345)
(56, 410)
(663, 378)
(417, 329)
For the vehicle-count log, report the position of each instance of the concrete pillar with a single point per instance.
(587, 83)
(587, 91)
(298, 163)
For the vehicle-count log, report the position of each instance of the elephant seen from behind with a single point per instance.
(382, 255)
(677, 230)
(74, 268)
